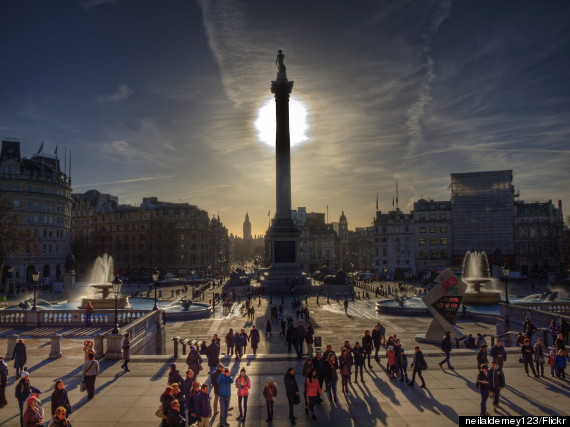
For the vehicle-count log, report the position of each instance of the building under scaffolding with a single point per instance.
(482, 205)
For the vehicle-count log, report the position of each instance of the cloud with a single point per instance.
(416, 111)
(119, 147)
(123, 181)
(122, 93)
(90, 4)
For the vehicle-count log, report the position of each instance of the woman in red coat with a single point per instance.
(313, 390)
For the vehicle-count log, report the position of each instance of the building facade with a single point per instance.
(433, 236)
(539, 239)
(176, 238)
(40, 194)
(482, 206)
(394, 249)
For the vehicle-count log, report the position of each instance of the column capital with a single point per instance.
(281, 88)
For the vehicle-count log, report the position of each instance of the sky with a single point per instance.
(156, 98)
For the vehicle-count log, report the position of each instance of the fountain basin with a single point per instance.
(482, 298)
(106, 303)
(411, 307)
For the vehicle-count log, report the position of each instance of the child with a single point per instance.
(403, 366)
(270, 392)
(391, 354)
(560, 364)
(551, 361)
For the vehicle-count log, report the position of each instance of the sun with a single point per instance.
(298, 122)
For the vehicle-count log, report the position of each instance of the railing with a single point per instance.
(67, 317)
(549, 306)
(540, 318)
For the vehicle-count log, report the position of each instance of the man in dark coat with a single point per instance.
(418, 364)
(3, 382)
(254, 338)
(484, 387)
(291, 391)
(446, 348)
(319, 365)
(20, 357)
(497, 383)
(230, 342)
(499, 354)
(376, 339)
(213, 354)
(194, 361)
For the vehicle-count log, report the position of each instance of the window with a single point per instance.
(423, 254)
(443, 254)
(422, 242)
(443, 241)
(432, 216)
(442, 216)
(384, 251)
(443, 206)
(432, 207)
(422, 207)
(422, 217)
(433, 242)
(423, 229)
(433, 229)
(443, 229)
(433, 254)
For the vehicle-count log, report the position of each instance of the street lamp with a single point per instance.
(116, 290)
(10, 271)
(506, 271)
(155, 274)
(35, 278)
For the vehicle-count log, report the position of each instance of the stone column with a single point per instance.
(55, 347)
(12, 340)
(98, 346)
(114, 346)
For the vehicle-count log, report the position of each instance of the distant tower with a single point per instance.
(343, 227)
(246, 228)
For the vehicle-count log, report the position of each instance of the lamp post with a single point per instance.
(10, 271)
(35, 278)
(155, 274)
(116, 290)
(506, 271)
(386, 280)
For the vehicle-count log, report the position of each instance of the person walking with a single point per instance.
(499, 354)
(367, 346)
(292, 392)
(202, 407)
(20, 357)
(60, 419)
(482, 357)
(313, 390)
(213, 354)
(446, 348)
(331, 376)
(3, 382)
(344, 363)
(358, 362)
(539, 352)
(484, 388)
(319, 365)
(254, 339)
(270, 393)
(225, 381)
(245, 337)
(230, 342)
(174, 376)
(418, 365)
(89, 374)
(497, 380)
(268, 329)
(194, 361)
(243, 384)
(403, 366)
(59, 398)
(527, 352)
(22, 392)
(300, 339)
(126, 347)
(309, 339)
(376, 339)
(88, 348)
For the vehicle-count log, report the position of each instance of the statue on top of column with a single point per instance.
(279, 61)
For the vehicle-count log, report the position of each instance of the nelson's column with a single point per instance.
(285, 270)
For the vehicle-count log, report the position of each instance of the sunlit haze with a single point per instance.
(298, 122)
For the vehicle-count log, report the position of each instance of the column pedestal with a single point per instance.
(114, 350)
(55, 352)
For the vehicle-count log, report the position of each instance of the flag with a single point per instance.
(41, 148)
(55, 152)
(392, 201)
(396, 193)
(376, 201)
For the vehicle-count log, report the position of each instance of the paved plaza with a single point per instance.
(124, 399)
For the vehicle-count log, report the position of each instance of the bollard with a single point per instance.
(492, 341)
(317, 298)
(185, 341)
(456, 342)
(175, 339)
(328, 299)
(98, 346)
(55, 352)
(172, 293)
(12, 340)
(337, 297)
(270, 299)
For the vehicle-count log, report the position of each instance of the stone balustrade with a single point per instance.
(67, 317)
(559, 307)
(540, 318)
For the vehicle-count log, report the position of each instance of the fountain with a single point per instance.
(475, 273)
(100, 280)
(403, 304)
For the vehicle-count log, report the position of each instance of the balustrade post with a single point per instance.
(98, 346)
(114, 350)
(55, 346)
(12, 340)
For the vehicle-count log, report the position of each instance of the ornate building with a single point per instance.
(40, 193)
(176, 238)
(246, 228)
(539, 234)
(394, 244)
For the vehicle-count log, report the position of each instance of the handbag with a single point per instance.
(159, 413)
(521, 359)
(297, 399)
(82, 386)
